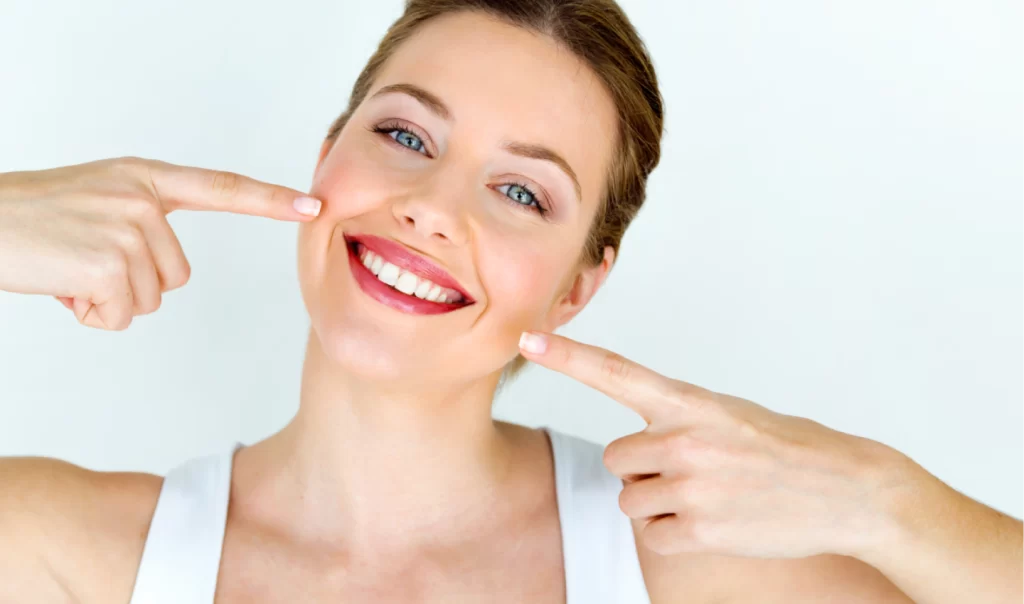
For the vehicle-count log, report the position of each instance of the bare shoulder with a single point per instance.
(71, 534)
(708, 578)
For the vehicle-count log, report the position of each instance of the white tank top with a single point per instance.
(181, 557)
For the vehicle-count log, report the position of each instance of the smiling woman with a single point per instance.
(471, 199)
(477, 186)
(420, 125)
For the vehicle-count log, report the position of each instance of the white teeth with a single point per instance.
(389, 274)
(406, 283)
(423, 288)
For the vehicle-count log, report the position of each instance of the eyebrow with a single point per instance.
(436, 106)
(542, 152)
(428, 99)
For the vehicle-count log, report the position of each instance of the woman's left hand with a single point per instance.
(719, 474)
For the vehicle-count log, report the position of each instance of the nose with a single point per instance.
(433, 216)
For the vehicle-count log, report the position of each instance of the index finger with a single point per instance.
(188, 188)
(641, 389)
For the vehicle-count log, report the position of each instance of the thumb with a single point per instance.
(108, 316)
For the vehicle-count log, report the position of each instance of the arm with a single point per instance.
(936, 546)
(96, 237)
(717, 474)
(68, 534)
(944, 547)
(32, 506)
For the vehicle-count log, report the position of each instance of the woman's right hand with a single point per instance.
(96, 236)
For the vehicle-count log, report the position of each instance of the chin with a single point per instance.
(375, 353)
(368, 348)
(364, 352)
(370, 339)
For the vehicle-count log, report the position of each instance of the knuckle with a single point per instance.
(124, 163)
(676, 446)
(130, 161)
(672, 391)
(128, 167)
(705, 401)
(693, 494)
(142, 209)
(684, 449)
(568, 357)
(678, 487)
(616, 367)
(749, 429)
(130, 239)
(691, 396)
(110, 268)
(226, 183)
(278, 197)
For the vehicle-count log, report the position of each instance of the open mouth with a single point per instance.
(390, 274)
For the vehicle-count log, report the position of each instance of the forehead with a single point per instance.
(506, 83)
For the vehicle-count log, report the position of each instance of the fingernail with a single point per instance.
(307, 205)
(531, 342)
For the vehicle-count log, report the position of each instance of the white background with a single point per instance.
(835, 230)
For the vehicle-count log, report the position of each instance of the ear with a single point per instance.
(582, 289)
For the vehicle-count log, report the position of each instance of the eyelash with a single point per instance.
(387, 128)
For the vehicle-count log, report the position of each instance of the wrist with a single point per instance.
(899, 490)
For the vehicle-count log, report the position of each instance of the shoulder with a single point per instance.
(73, 533)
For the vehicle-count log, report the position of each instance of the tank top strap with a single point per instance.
(598, 545)
(181, 557)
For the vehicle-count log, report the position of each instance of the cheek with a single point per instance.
(522, 286)
(350, 182)
(349, 185)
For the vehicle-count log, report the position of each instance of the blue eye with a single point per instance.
(519, 194)
(403, 137)
(407, 139)
(522, 196)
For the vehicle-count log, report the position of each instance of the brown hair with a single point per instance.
(600, 34)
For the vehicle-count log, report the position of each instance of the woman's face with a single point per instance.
(475, 164)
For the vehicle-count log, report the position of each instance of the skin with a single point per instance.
(385, 489)
(714, 474)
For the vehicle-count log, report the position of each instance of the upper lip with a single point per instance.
(400, 256)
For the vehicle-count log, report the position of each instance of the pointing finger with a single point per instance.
(641, 389)
(187, 188)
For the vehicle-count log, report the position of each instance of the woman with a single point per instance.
(455, 220)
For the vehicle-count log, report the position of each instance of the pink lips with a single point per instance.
(396, 254)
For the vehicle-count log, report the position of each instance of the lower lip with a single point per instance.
(389, 296)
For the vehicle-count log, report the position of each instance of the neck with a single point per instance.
(375, 467)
